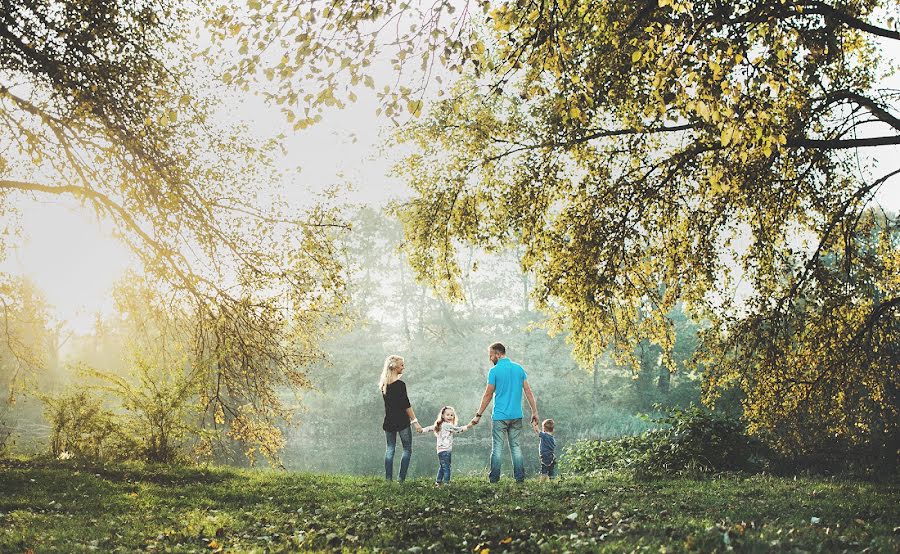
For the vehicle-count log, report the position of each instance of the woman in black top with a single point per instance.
(398, 415)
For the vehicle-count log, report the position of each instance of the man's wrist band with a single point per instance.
(415, 419)
(477, 414)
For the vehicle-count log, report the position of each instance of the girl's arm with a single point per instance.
(457, 429)
(426, 429)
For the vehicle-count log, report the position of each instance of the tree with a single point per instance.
(642, 154)
(100, 101)
(660, 152)
(25, 326)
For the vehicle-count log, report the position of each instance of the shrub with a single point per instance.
(81, 427)
(693, 439)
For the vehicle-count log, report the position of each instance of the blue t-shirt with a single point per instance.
(548, 446)
(507, 378)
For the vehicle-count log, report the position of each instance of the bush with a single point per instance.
(81, 427)
(693, 439)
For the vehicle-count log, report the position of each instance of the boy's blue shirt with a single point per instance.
(548, 444)
(507, 377)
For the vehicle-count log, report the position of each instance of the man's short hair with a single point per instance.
(498, 348)
(548, 425)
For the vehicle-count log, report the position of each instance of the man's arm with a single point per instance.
(531, 402)
(485, 400)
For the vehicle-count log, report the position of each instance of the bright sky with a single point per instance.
(75, 261)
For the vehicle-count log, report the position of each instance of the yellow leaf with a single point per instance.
(214, 544)
(703, 109)
(727, 133)
(507, 540)
(636, 56)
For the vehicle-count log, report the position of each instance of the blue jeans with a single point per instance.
(444, 469)
(511, 429)
(548, 466)
(406, 440)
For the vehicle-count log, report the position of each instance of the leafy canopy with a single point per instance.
(103, 102)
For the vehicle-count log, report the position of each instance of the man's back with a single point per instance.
(507, 378)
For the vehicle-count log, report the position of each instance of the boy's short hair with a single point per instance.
(547, 425)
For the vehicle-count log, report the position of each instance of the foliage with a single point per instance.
(103, 102)
(445, 349)
(175, 509)
(314, 55)
(25, 335)
(663, 152)
(802, 393)
(693, 439)
(157, 407)
(81, 427)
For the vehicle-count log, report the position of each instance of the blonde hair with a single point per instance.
(547, 425)
(390, 369)
(440, 418)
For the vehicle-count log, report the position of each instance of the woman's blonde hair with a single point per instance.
(390, 368)
(440, 418)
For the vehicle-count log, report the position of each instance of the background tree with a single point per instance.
(445, 345)
(101, 102)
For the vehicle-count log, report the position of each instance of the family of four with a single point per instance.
(507, 382)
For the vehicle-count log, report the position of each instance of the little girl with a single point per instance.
(444, 428)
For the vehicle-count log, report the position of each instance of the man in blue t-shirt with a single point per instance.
(506, 383)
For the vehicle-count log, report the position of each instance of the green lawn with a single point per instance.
(53, 507)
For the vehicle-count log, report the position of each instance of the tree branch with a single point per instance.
(838, 144)
(828, 11)
(877, 110)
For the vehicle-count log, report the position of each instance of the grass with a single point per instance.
(50, 506)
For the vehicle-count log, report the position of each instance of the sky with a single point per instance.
(73, 258)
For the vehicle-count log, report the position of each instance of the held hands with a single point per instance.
(418, 427)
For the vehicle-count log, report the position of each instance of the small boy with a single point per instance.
(548, 450)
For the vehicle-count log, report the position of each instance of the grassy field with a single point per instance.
(48, 507)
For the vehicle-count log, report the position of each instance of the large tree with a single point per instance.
(658, 152)
(642, 154)
(101, 102)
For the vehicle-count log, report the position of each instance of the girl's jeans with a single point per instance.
(406, 440)
(508, 429)
(444, 469)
